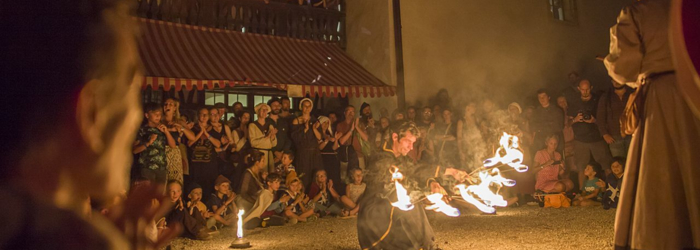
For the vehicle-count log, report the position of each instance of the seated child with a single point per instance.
(590, 192)
(353, 192)
(221, 202)
(295, 210)
(194, 193)
(285, 168)
(325, 199)
(614, 182)
(274, 213)
(194, 225)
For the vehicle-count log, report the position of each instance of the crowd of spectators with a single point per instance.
(291, 166)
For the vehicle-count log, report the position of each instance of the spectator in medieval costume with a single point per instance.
(306, 137)
(610, 107)
(281, 125)
(659, 206)
(379, 224)
(263, 135)
(365, 127)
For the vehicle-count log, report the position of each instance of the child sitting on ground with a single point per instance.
(194, 224)
(221, 202)
(194, 193)
(323, 195)
(285, 168)
(295, 209)
(274, 213)
(590, 192)
(353, 192)
(614, 182)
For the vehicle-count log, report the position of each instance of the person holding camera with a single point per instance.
(587, 138)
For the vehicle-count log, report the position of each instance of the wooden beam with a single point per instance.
(398, 44)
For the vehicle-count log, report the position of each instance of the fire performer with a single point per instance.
(383, 226)
(660, 199)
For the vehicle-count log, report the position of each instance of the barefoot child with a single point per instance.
(353, 192)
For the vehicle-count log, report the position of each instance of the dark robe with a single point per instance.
(379, 224)
(308, 155)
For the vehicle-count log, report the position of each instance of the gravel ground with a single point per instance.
(525, 227)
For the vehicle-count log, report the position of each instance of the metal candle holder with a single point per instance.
(240, 242)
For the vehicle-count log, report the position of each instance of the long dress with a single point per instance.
(173, 157)
(659, 207)
(203, 163)
(308, 155)
(332, 165)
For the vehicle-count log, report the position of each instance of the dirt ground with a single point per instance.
(524, 227)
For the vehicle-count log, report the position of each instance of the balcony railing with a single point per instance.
(254, 16)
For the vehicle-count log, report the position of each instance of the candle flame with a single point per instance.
(440, 205)
(239, 233)
(403, 201)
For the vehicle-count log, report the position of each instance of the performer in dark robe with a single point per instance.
(659, 206)
(383, 226)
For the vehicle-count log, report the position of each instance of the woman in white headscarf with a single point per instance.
(307, 137)
(329, 144)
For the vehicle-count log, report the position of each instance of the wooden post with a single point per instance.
(398, 43)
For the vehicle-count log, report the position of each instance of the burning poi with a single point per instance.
(391, 218)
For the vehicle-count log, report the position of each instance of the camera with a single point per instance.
(586, 114)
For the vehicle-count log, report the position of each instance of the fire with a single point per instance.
(439, 205)
(403, 200)
(508, 153)
(239, 233)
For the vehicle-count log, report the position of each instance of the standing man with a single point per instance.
(659, 206)
(284, 143)
(587, 138)
(83, 60)
(221, 107)
(610, 107)
(547, 120)
(346, 151)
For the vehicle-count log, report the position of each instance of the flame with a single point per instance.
(439, 205)
(508, 153)
(239, 233)
(403, 201)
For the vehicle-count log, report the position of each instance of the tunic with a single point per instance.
(261, 143)
(659, 206)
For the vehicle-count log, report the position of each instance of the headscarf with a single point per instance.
(322, 119)
(302, 102)
(520, 110)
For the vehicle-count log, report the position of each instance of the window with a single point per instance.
(563, 11)
(211, 98)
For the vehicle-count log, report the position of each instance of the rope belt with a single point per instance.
(391, 220)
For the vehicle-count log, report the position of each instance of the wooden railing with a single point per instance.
(255, 16)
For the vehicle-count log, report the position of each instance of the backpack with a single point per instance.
(556, 200)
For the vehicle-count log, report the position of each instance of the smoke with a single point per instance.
(503, 50)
